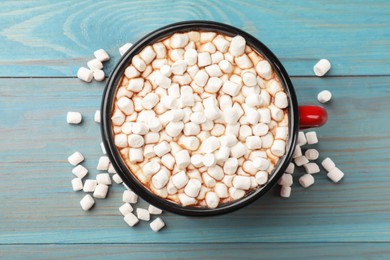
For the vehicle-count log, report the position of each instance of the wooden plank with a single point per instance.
(201, 251)
(54, 38)
(38, 205)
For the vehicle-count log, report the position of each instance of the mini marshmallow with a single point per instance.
(80, 171)
(138, 63)
(157, 224)
(101, 55)
(210, 144)
(135, 155)
(191, 57)
(131, 72)
(154, 210)
(190, 143)
(186, 200)
(281, 100)
(212, 200)
(208, 180)
(301, 160)
(139, 128)
(117, 179)
(129, 196)
(162, 149)
(151, 168)
(243, 62)
(324, 96)
(124, 48)
(135, 141)
(238, 150)
(311, 137)
(197, 160)
(103, 178)
(290, 168)
(264, 69)
(192, 188)
(223, 154)
(162, 81)
(260, 129)
(297, 152)
(231, 88)
(216, 57)
(101, 191)
(151, 138)
(143, 214)
(237, 46)
(160, 50)
(213, 70)
(301, 139)
(311, 168)
(242, 182)
(285, 192)
(249, 79)
(160, 179)
(328, 164)
(221, 190)
(97, 116)
(201, 78)
(204, 59)
(87, 202)
(249, 168)
(168, 161)
(228, 180)
(278, 148)
(179, 67)
(150, 100)
(99, 75)
(226, 66)
(125, 209)
(77, 184)
(306, 180)
(103, 163)
(111, 168)
(261, 163)
(335, 175)
(321, 67)
(180, 179)
(125, 105)
(182, 159)
(252, 116)
(75, 158)
(216, 172)
(276, 113)
(95, 64)
(186, 96)
(236, 194)
(253, 101)
(121, 140)
(89, 185)
(261, 177)
(147, 54)
(85, 74)
(230, 166)
(131, 219)
(312, 154)
(286, 180)
(118, 118)
(253, 142)
(209, 160)
(73, 118)
(179, 40)
(228, 140)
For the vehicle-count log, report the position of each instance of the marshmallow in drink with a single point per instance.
(212, 200)
(180, 179)
(230, 166)
(151, 168)
(237, 46)
(264, 69)
(197, 160)
(147, 54)
(168, 161)
(261, 164)
(186, 200)
(204, 59)
(253, 142)
(209, 160)
(192, 188)
(221, 190)
(321, 67)
(261, 177)
(85, 74)
(335, 175)
(236, 194)
(191, 57)
(231, 88)
(160, 179)
(238, 150)
(162, 148)
(182, 159)
(242, 182)
(216, 172)
(278, 148)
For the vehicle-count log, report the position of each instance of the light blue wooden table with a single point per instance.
(42, 44)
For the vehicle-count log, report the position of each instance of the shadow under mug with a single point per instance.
(301, 117)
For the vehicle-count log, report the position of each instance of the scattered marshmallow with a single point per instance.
(324, 96)
(131, 219)
(80, 171)
(95, 64)
(335, 175)
(306, 180)
(328, 164)
(75, 158)
(143, 214)
(87, 202)
(321, 67)
(126, 209)
(311, 168)
(89, 185)
(129, 196)
(124, 48)
(103, 178)
(77, 184)
(285, 192)
(74, 118)
(154, 210)
(101, 55)
(99, 75)
(97, 116)
(103, 163)
(311, 137)
(157, 224)
(101, 191)
(312, 154)
(117, 179)
(85, 74)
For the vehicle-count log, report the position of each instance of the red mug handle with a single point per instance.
(312, 116)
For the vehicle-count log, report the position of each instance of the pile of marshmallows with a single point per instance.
(201, 118)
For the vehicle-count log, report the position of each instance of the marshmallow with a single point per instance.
(179, 67)
(192, 188)
(103, 178)
(186, 200)
(124, 48)
(221, 190)
(191, 57)
(236, 193)
(207, 180)
(312, 154)
(138, 63)
(103, 163)
(231, 116)
(212, 200)
(301, 160)
(228, 140)
(231, 88)
(208, 47)
(160, 50)
(131, 219)
(191, 129)
(117, 179)
(154, 210)
(190, 143)
(278, 148)
(306, 180)
(237, 46)
(216, 172)
(162, 81)
(186, 97)
(249, 79)
(197, 160)
(265, 115)
(276, 113)
(171, 189)
(281, 100)
(198, 117)
(311, 168)
(226, 66)
(328, 164)
(311, 137)
(238, 150)
(101, 55)
(135, 141)
(121, 140)
(179, 40)
(281, 132)
(77, 184)
(125, 105)
(95, 64)
(173, 129)
(99, 75)
(261, 163)
(286, 180)
(111, 168)
(249, 168)
(97, 116)
(87, 202)
(221, 44)
(176, 54)
(209, 160)
(132, 72)
(143, 214)
(147, 54)
(125, 209)
(210, 144)
(242, 182)
(160, 179)
(118, 117)
(218, 130)
(297, 152)
(321, 67)
(168, 161)
(324, 96)
(214, 70)
(136, 155)
(243, 62)
(101, 191)
(252, 116)
(285, 192)
(335, 175)
(182, 159)
(264, 69)
(216, 57)
(180, 179)
(129, 197)
(151, 138)
(253, 100)
(260, 129)
(157, 224)
(89, 185)
(75, 158)
(261, 177)
(151, 168)
(73, 118)
(85, 74)
(290, 168)
(228, 180)
(301, 139)
(201, 78)
(80, 171)
(204, 59)
(230, 166)
(253, 142)
(150, 100)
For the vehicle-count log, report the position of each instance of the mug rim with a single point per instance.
(109, 96)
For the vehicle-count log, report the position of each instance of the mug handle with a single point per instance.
(312, 116)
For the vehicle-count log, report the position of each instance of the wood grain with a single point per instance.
(38, 205)
(54, 38)
(201, 251)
